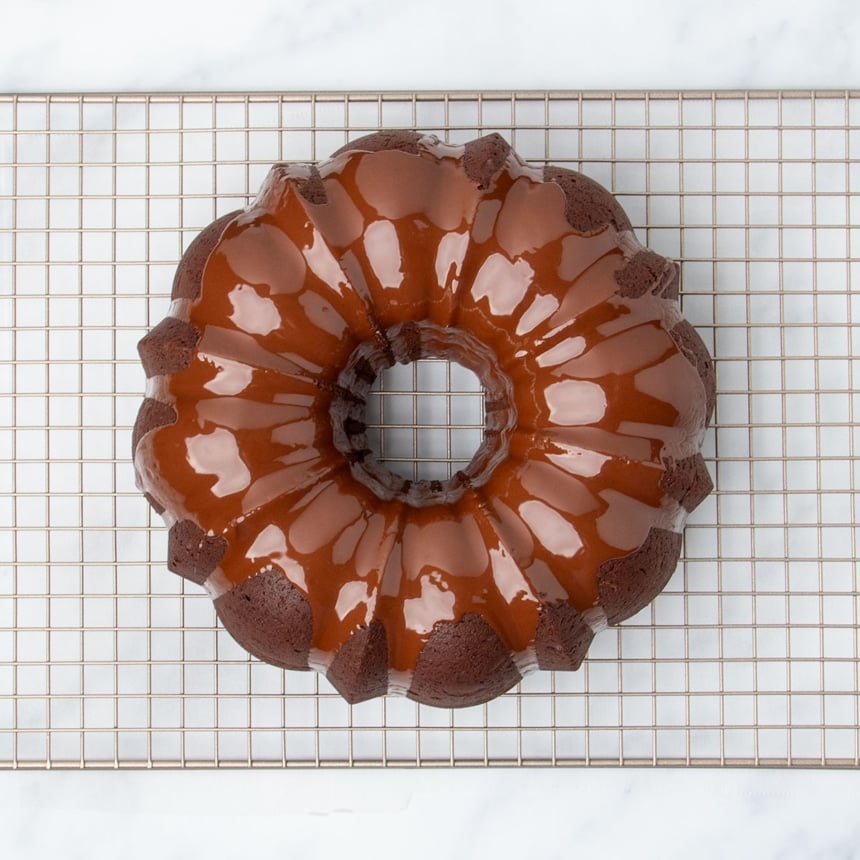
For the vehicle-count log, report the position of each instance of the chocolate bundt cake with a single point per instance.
(252, 440)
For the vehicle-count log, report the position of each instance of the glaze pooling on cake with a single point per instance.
(252, 441)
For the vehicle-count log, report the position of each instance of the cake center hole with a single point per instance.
(422, 413)
(425, 419)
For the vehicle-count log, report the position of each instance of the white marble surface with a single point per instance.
(449, 44)
(488, 814)
(444, 44)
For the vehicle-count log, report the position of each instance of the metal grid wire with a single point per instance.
(426, 419)
(751, 654)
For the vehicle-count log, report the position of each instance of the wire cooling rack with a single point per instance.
(751, 654)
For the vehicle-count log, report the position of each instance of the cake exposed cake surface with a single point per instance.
(252, 438)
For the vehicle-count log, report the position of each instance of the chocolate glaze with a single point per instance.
(253, 438)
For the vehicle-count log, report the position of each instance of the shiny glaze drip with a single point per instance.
(602, 398)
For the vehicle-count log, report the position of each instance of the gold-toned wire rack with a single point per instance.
(750, 657)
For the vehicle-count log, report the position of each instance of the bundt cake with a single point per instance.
(252, 442)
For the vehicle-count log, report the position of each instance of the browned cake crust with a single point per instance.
(186, 283)
(590, 206)
(270, 618)
(403, 141)
(648, 272)
(192, 553)
(563, 637)
(687, 481)
(484, 158)
(697, 354)
(313, 189)
(359, 670)
(463, 663)
(152, 414)
(168, 348)
(628, 584)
